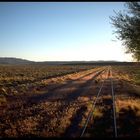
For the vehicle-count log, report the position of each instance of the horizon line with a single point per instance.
(65, 60)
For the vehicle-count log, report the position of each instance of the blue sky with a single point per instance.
(59, 31)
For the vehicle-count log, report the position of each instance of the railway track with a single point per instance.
(94, 105)
(71, 96)
(63, 110)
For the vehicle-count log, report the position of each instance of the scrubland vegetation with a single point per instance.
(12, 75)
(54, 101)
(129, 73)
(16, 79)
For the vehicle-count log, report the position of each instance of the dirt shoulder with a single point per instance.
(45, 114)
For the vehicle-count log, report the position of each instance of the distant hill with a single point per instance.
(14, 61)
(19, 61)
(96, 63)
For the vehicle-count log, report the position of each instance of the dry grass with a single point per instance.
(52, 116)
(133, 103)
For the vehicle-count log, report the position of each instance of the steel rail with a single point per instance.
(114, 107)
(93, 108)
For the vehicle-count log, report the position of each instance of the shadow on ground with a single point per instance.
(129, 122)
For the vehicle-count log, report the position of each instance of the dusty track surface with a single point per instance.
(62, 109)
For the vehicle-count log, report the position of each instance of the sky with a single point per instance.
(60, 31)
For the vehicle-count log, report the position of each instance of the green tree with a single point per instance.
(127, 25)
